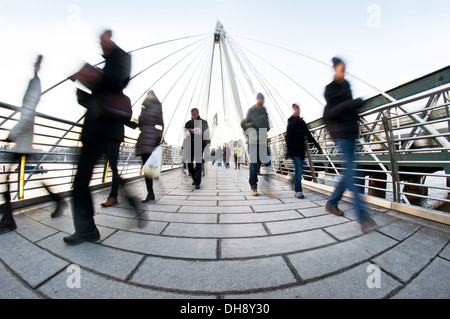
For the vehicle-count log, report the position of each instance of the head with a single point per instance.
(37, 65)
(151, 95)
(339, 69)
(296, 109)
(260, 100)
(106, 42)
(195, 114)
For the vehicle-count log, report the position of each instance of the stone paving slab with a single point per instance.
(215, 230)
(400, 230)
(149, 227)
(216, 210)
(250, 202)
(290, 226)
(322, 261)
(164, 246)
(119, 212)
(30, 262)
(313, 212)
(214, 276)
(259, 217)
(433, 281)
(282, 244)
(446, 252)
(161, 208)
(351, 284)
(94, 286)
(13, 288)
(259, 208)
(180, 218)
(195, 203)
(415, 252)
(31, 229)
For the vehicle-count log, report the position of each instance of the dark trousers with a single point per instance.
(148, 181)
(83, 208)
(196, 172)
(255, 164)
(112, 155)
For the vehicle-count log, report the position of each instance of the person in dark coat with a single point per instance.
(98, 130)
(197, 138)
(297, 133)
(226, 155)
(151, 124)
(341, 119)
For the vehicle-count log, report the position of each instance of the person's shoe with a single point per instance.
(150, 198)
(60, 206)
(110, 202)
(368, 226)
(7, 225)
(299, 196)
(254, 193)
(334, 210)
(197, 186)
(76, 239)
(193, 183)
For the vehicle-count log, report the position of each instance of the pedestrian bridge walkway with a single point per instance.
(218, 242)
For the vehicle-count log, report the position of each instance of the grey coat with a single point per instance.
(22, 133)
(150, 136)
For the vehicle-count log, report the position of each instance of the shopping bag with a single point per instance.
(152, 168)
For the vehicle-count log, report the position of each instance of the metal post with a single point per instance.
(21, 179)
(311, 163)
(392, 156)
(105, 172)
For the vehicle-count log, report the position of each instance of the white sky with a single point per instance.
(412, 40)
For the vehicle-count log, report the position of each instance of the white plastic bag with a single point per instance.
(152, 168)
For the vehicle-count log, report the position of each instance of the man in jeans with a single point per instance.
(256, 125)
(297, 133)
(341, 118)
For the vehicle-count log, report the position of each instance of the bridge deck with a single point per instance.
(220, 242)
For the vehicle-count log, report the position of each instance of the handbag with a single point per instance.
(152, 168)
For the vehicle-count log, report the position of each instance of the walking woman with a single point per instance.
(151, 124)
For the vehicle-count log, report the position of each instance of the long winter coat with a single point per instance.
(150, 136)
(22, 133)
(296, 133)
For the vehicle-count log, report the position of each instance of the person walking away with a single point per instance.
(213, 156)
(341, 119)
(151, 124)
(237, 155)
(226, 155)
(197, 138)
(256, 126)
(99, 129)
(219, 156)
(297, 133)
(22, 135)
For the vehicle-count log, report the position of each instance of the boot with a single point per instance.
(60, 202)
(151, 194)
(7, 224)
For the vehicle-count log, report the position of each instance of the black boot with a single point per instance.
(60, 202)
(151, 194)
(7, 224)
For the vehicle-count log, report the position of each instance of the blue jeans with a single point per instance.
(255, 164)
(298, 163)
(348, 148)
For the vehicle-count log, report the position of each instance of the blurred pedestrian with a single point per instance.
(256, 126)
(99, 129)
(341, 119)
(213, 156)
(151, 124)
(219, 156)
(237, 152)
(297, 133)
(226, 155)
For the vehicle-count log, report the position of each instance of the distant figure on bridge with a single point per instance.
(99, 130)
(22, 135)
(226, 155)
(197, 138)
(219, 156)
(213, 156)
(151, 124)
(237, 153)
(297, 133)
(341, 118)
(256, 125)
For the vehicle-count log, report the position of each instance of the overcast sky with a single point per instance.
(386, 43)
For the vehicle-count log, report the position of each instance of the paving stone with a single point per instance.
(161, 208)
(432, 283)
(273, 245)
(221, 198)
(31, 229)
(216, 210)
(65, 225)
(446, 252)
(37, 214)
(351, 284)
(118, 211)
(94, 286)
(30, 262)
(259, 217)
(214, 230)
(164, 246)
(13, 288)
(322, 261)
(214, 276)
(150, 227)
(180, 217)
(400, 229)
(415, 252)
(291, 226)
(312, 212)
(109, 261)
(250, 202)
(259, 208)
(196, 203)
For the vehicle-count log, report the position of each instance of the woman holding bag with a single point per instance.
(151, 124)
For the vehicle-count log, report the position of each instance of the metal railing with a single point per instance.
(402, 155)
(56, 144)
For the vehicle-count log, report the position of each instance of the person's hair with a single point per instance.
(108, 32)
(195, 110)
(296, 106)
(336, 61)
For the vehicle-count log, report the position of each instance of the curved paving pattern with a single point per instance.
(219, 242)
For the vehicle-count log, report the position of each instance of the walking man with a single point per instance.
(256, 125)
(197, 138)
(341, 118)
(296, 134)
(237, 155)
(98, 130)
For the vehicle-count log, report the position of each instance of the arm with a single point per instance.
(334, 112)
(311, 139)
(84, 99)
(247, 122)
